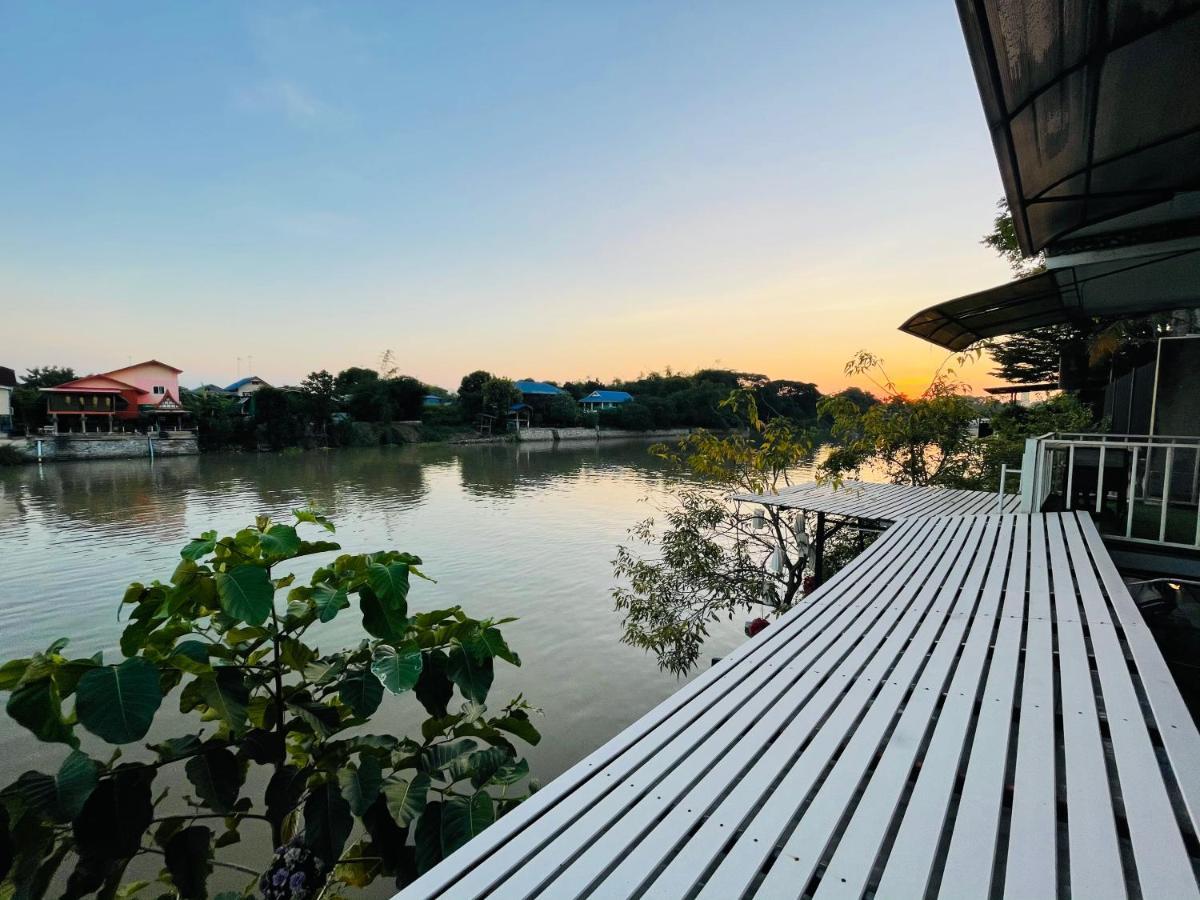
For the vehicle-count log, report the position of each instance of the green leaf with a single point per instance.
(321, 719)
(118, 703)
(380, 619)
(398, 670)
(327, 822)
(280, 541)
(295, 654)
(390, 584)
(246, 593)
(12, 672)
(362, 692)
(485, 763)
(406, 797)
(116, 815)
(511, 774)
(465, 817)
(217, 777)
(439, 756)
(360, 786)
(491, 639)
(224, 692)
(472, 674)
(198, 547)
(188, 858)
(316, 518)
(517, 722)
(76, 779)
(284, 791)
(329, 600)
(176, 748)
(38, 707)
(191, 657)
(434, 688)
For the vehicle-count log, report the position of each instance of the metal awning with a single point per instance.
(1111, 288)
(883, 502)
(973, 707)
(1094, 108)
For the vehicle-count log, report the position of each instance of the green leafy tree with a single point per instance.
(47, 376)
(918, 441)
(708, 560)
(279, 416)
(498, 395)
(219, 422)
(343, 805)
(349, 379)
(320, 393)
(470, 392)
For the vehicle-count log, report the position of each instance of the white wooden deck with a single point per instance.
(883, 502)
(974, 707)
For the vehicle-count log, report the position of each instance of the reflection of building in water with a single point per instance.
(104, 492)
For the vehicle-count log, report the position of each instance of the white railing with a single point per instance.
(1143, 488)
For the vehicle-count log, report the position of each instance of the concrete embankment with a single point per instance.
(63, 447)
(536, 435)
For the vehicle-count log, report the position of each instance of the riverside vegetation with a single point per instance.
(343, 806)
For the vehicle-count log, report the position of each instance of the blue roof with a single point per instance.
(435, 400)
(517, 407)
(537, 387)
(607, 397)
(243, 381)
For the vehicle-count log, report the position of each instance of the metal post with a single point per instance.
(819, 574)
(1000, 498)
(1166, 494)
(1070, 473)
(1100, 482)
(1132, 493)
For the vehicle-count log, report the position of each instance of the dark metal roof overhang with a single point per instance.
(1093, 108)
(1108, 289)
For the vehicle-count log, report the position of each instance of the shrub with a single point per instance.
(339, 802)
(11, 456)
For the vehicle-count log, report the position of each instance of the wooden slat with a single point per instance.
(911, 860)
(744, 859)
(573, 789)
(1032, 839)
(851, 865)
(681, 753)
(868, 744)
(882, 502)
(1094, 853)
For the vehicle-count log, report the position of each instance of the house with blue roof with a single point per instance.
(244, 387)
(537, 388)
(597, 400)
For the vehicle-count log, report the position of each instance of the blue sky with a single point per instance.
(539, 189)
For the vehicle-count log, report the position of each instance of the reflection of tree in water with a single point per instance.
(103, 492)
(504, 470)
(332, 479)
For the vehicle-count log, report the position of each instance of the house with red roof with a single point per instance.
(146, 391)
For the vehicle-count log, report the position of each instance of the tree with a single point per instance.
(272, 714)
(320, 392)
(560, 409)
(218, 420)
(1003, 239)
(919, 441)
(498, 396)
(470, 392)
(387, 400)
(279, 416)
(355, 376)
(710, 561)
(47, 376)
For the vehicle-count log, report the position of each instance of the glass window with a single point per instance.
(159, 389)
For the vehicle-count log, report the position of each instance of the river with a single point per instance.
(527, 531)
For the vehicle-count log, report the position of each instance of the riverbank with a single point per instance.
(75, 447)
(71, 447)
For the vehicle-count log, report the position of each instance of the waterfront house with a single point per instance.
(8, 384)
(435, 400)
(146, 391)
(244, 387)
(598, 400)
(529, 388)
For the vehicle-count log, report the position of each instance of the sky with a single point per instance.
(549, 190)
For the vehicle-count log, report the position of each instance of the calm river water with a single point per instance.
(525, 531)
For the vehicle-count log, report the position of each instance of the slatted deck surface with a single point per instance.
(884, 502)
(972, 708)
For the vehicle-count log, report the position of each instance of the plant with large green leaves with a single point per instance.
(342, 805)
